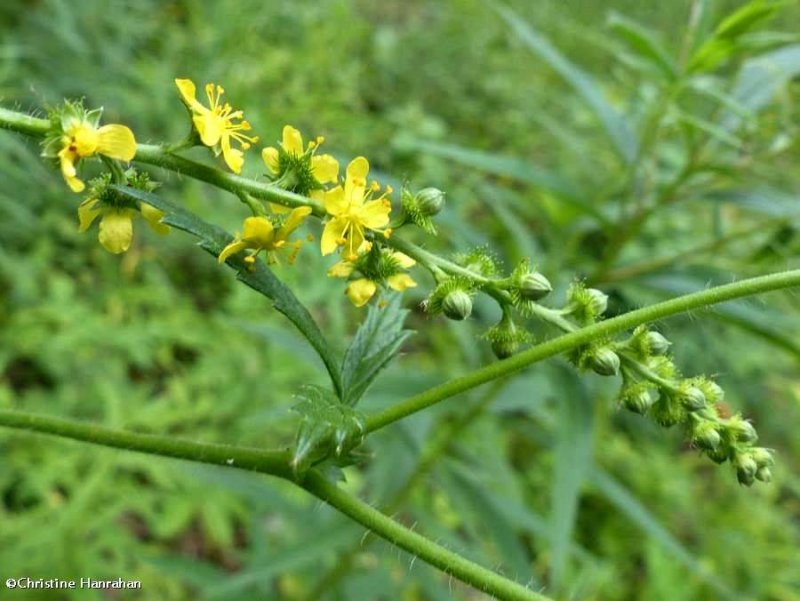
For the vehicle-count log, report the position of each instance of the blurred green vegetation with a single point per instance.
(541, 476)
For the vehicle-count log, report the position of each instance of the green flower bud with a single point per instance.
(712, 391)
(429, 201)
(692, 398)
(598, 301)
(706, 436)
(763, 457)
(457, 305)
(637, 399)
(718, 455)
(742, 430)
(504, 348)
(746, 469)
(534, 286)
(764, 474)
(667, 411)
(657, 344)
(604, 361)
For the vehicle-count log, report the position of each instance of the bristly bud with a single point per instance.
(657, 344)
(637, 397)
(457, 305)
(691, 396)
(746, 468)
(430, 201)
(712, 391)
(586, 305)
(705, 435)
(742, 430)
(534, 286)
(668, 411)
(604, 361)
(505, 337)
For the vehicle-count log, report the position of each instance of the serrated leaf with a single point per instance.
(615, 125)
(644, 43)
(259, 277)
(375, 344)
(328, 429)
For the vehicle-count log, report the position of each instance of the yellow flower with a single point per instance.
(215, 125)
(82, 139)
(260, 234)
(324, 168)
(353, 211)
(361, 290)
(116, 223)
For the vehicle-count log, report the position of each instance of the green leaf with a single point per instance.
(259, 277)
(644, 43)
(375, 344)
(615, 125)
(328, 428)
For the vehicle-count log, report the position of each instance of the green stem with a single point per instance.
(567, 342)
(277, 463)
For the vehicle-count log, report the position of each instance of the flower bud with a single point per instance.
(746, 469)
(598, 301)
(718, 455)
(430, 201)
(657, 344)
(667, 411)
(692, 398)
(504, 348)
(604, 361)
(712, 391)
(457, 305)
(742, 430)
(534, 286)
(762, 457)
(706, 436)
(637, 400)
(764, 474)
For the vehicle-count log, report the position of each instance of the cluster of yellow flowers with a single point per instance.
(353, 205)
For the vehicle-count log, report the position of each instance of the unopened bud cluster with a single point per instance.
(419, 208)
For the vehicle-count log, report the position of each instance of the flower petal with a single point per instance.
(209, 126)
(233, 156)
(232, 248)
(278, 209)
(87, 213)
(295, 219)
(188, 93)
(68, 159)
(116, 230)
(117, 142)
(360, 291)
(332, 234)
(292, 140)
(270, 157)
(358, 169)
(375, 214)
(335, 203)
(400, 281)
(153, 217)
(342, 269)
(258, 232)
(324, 168)
(403, 260)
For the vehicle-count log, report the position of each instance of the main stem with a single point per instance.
(277, 463)
(567, 342)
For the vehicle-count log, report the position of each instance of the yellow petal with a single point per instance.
(270, 157)
(360, 291)
(153, 217)
(117, 142)
(331, 235)
(358, 169)
(233, 156)
(375, 214)
(292, 140)
(324, 168)
(67, 159)
(279, 209)
(84, 139)
(335, 203)
(188, 93)
(258, 232)
(209, 126)
(87, 213)
(342, 269)
(295, 219)
(400, 281)
(403, 260)
(116, 230)
(355, 243)
(232, 248)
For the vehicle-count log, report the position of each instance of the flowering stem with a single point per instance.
(277, 463)
(567, 342)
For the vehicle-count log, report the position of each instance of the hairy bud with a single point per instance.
(457, 305)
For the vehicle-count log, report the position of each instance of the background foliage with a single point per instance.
(540, 476)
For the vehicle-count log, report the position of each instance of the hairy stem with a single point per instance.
(277, 463)
(567, 342)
